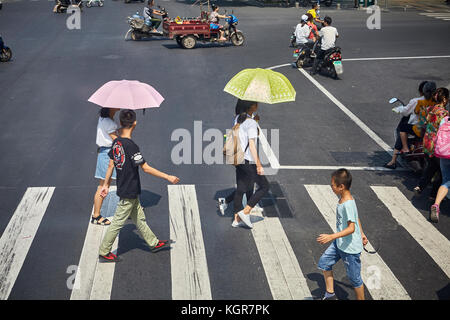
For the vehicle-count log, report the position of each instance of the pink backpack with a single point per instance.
(442, 148)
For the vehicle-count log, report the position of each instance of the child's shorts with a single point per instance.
(352, 263)
(102, 164)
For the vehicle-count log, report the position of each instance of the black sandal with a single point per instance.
(103, 222)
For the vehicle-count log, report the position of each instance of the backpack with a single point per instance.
(232, 148)
(442, 148)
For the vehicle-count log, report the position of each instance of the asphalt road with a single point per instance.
(48, 139)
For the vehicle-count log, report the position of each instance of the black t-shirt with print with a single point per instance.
(127, 159)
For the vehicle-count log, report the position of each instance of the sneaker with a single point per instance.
(245, 218)
(110, 257)
(333, 297)
(162, 244)
(434, 214)
(222, 205)
(236, 224)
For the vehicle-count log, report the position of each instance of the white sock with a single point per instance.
(327, 294)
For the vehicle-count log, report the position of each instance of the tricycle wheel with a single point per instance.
(237, 38)
(188, 42)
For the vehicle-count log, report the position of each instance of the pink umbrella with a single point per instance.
(126, 94)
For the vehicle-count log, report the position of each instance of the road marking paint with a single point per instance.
(339, 167)
(94, 278)
(350, 114)
(19, 234)
(190, 278)
(274, 164)
(283, 272)
(389, 287)
(397, 58)
(103, 276)
(434, 243)
(280, 66)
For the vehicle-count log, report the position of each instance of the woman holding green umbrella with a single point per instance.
(251, 86)
(251, 171)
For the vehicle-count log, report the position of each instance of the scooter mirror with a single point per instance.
(393, 100)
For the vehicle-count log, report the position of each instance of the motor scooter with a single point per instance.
(416, 157)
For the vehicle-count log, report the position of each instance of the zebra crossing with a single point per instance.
(445, 15)
(275, 258)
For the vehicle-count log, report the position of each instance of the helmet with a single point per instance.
(304, 18)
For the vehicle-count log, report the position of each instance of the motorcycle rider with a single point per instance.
(214, 17)
(314, 35)
(405, 125)
(149, 13)
(302, 32)
(328, 35)
(314, 12)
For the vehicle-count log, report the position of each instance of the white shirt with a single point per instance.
(408, 110)
(302, 33)
(247, 130)
(105, 126)
(328, 35)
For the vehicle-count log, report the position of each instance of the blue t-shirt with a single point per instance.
(345, 212)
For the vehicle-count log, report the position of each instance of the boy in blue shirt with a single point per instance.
(348, 241)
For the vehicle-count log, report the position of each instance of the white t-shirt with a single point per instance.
(105, 126)
(302, 33)
(328, 35)
(247, 130)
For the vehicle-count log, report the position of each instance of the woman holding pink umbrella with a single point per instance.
(107, 131)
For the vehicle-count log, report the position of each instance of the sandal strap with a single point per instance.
(97, 220)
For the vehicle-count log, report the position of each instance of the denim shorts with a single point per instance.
(102, 164)
(445, 170)
(352, 263)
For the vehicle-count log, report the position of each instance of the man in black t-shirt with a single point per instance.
(126, 158)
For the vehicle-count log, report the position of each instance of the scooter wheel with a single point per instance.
(5, 55)
(135, 36)
(88, 4)
(299, 63)
(100, 4)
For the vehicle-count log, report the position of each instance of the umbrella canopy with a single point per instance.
(126, 94)
(261, 85)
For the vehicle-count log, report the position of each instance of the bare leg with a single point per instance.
(394, 157)
(442, 193)
(329, 281)
(98, 201)
(360, 293)
(404, 138)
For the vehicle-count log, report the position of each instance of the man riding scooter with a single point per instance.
(328, 35)
(149, 13)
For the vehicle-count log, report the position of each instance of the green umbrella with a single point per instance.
(261, 85)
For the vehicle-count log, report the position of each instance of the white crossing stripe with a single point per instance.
(94, 280)
(190, 278)
(104, 276)
(386, 286)
(283, 272)
(438, 15)
(19, 235)
(435, 244)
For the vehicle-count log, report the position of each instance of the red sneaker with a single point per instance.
(161, 245)
(110, 257)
